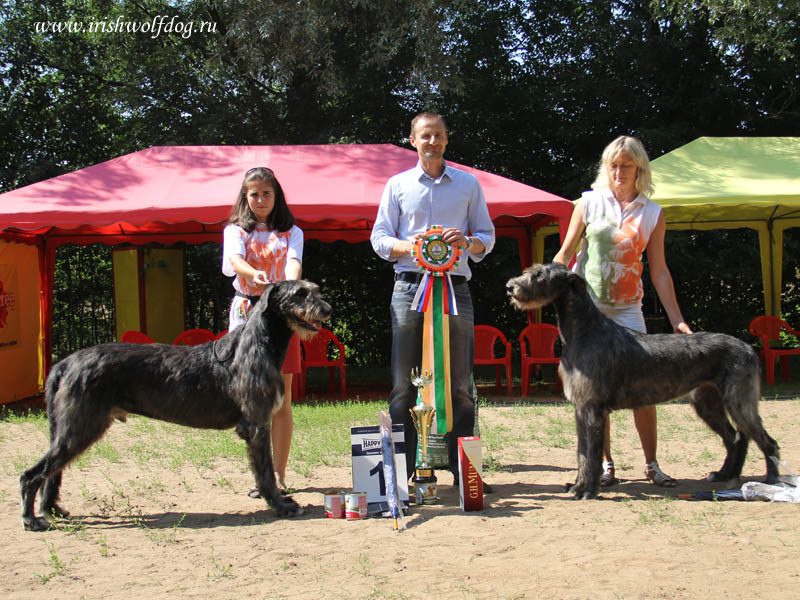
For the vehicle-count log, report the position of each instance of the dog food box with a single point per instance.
(470, 474)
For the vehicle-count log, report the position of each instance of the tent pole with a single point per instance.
(48, 267)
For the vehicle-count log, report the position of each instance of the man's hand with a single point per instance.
(454, 236)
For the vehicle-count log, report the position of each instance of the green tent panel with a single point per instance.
(734, 182)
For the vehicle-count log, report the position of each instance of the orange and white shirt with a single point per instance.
(610, 259)
(265, 250)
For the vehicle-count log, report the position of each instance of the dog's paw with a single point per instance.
(35, 524)
(56, 510)
(577, 489)
(580, 491)
(718, 476)
(288, 508)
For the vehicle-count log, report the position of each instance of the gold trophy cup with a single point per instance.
(422, 415)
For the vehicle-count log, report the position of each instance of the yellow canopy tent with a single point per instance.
(734, 182)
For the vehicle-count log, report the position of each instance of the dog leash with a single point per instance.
(216, 354)
(253, 300)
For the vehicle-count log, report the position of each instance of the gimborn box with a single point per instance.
(470, 474)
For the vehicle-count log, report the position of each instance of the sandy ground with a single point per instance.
(185, 532)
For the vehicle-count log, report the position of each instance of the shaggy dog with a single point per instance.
(607, 367)
(233, 381)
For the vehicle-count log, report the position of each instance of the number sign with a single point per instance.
(368, 463)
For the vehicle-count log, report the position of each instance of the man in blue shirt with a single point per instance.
(432, 193)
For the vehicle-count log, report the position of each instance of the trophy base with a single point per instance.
(424, 474)
(425, 488)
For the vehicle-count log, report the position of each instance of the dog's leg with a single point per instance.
(243, 430)
(48, 472)
(767, 445)
(707, 403)
(48, 504)
(744, 412)
(52, 485)
(29, 483)
(589, 419)
(259, 449)
(85, 428)
(770, 448)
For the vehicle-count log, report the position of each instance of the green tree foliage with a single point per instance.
(208, 291)
(765, 25)
(357, 284)
(83, 304)
(57, 107)
(710, 298)
(552, 82)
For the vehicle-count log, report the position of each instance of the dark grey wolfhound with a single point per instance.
(606, 367)
(233, 381)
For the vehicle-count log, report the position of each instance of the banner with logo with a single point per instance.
(20, 322)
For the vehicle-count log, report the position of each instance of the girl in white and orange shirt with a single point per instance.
(262, 245)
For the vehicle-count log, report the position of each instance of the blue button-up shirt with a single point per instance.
(413, 202)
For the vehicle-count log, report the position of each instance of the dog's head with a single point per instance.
(300, 302)
(539, 285)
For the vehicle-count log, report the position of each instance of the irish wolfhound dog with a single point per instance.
(233, 381)
(606, 367)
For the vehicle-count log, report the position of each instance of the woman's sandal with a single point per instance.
(609, 476)
(654, 473)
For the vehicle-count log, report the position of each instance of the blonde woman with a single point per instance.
(617, 222)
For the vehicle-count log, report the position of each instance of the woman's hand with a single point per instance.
(259, 279)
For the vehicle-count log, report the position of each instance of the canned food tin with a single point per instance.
(355, 506)
(334, 505)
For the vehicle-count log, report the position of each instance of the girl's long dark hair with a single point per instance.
(280, 219)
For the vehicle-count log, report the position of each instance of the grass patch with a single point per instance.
(161, 537)
(218, 569)
(322, 432)
(35, 417)
(54, 561)
(101, 451)
(322, 438)
(654, 511)
(559, 429)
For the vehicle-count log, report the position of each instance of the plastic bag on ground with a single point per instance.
(786, 490)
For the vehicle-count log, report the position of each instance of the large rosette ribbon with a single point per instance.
(435, 298)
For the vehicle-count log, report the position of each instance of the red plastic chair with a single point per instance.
(768, 331)
(316, 354)
(136, 337)
(537, 347)
(486, 341)
(193, 337)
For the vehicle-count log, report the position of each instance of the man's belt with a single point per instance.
(415, 277)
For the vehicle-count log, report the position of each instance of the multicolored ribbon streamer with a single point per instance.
(435, 298)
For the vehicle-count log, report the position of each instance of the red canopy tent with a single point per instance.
(184, 194)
